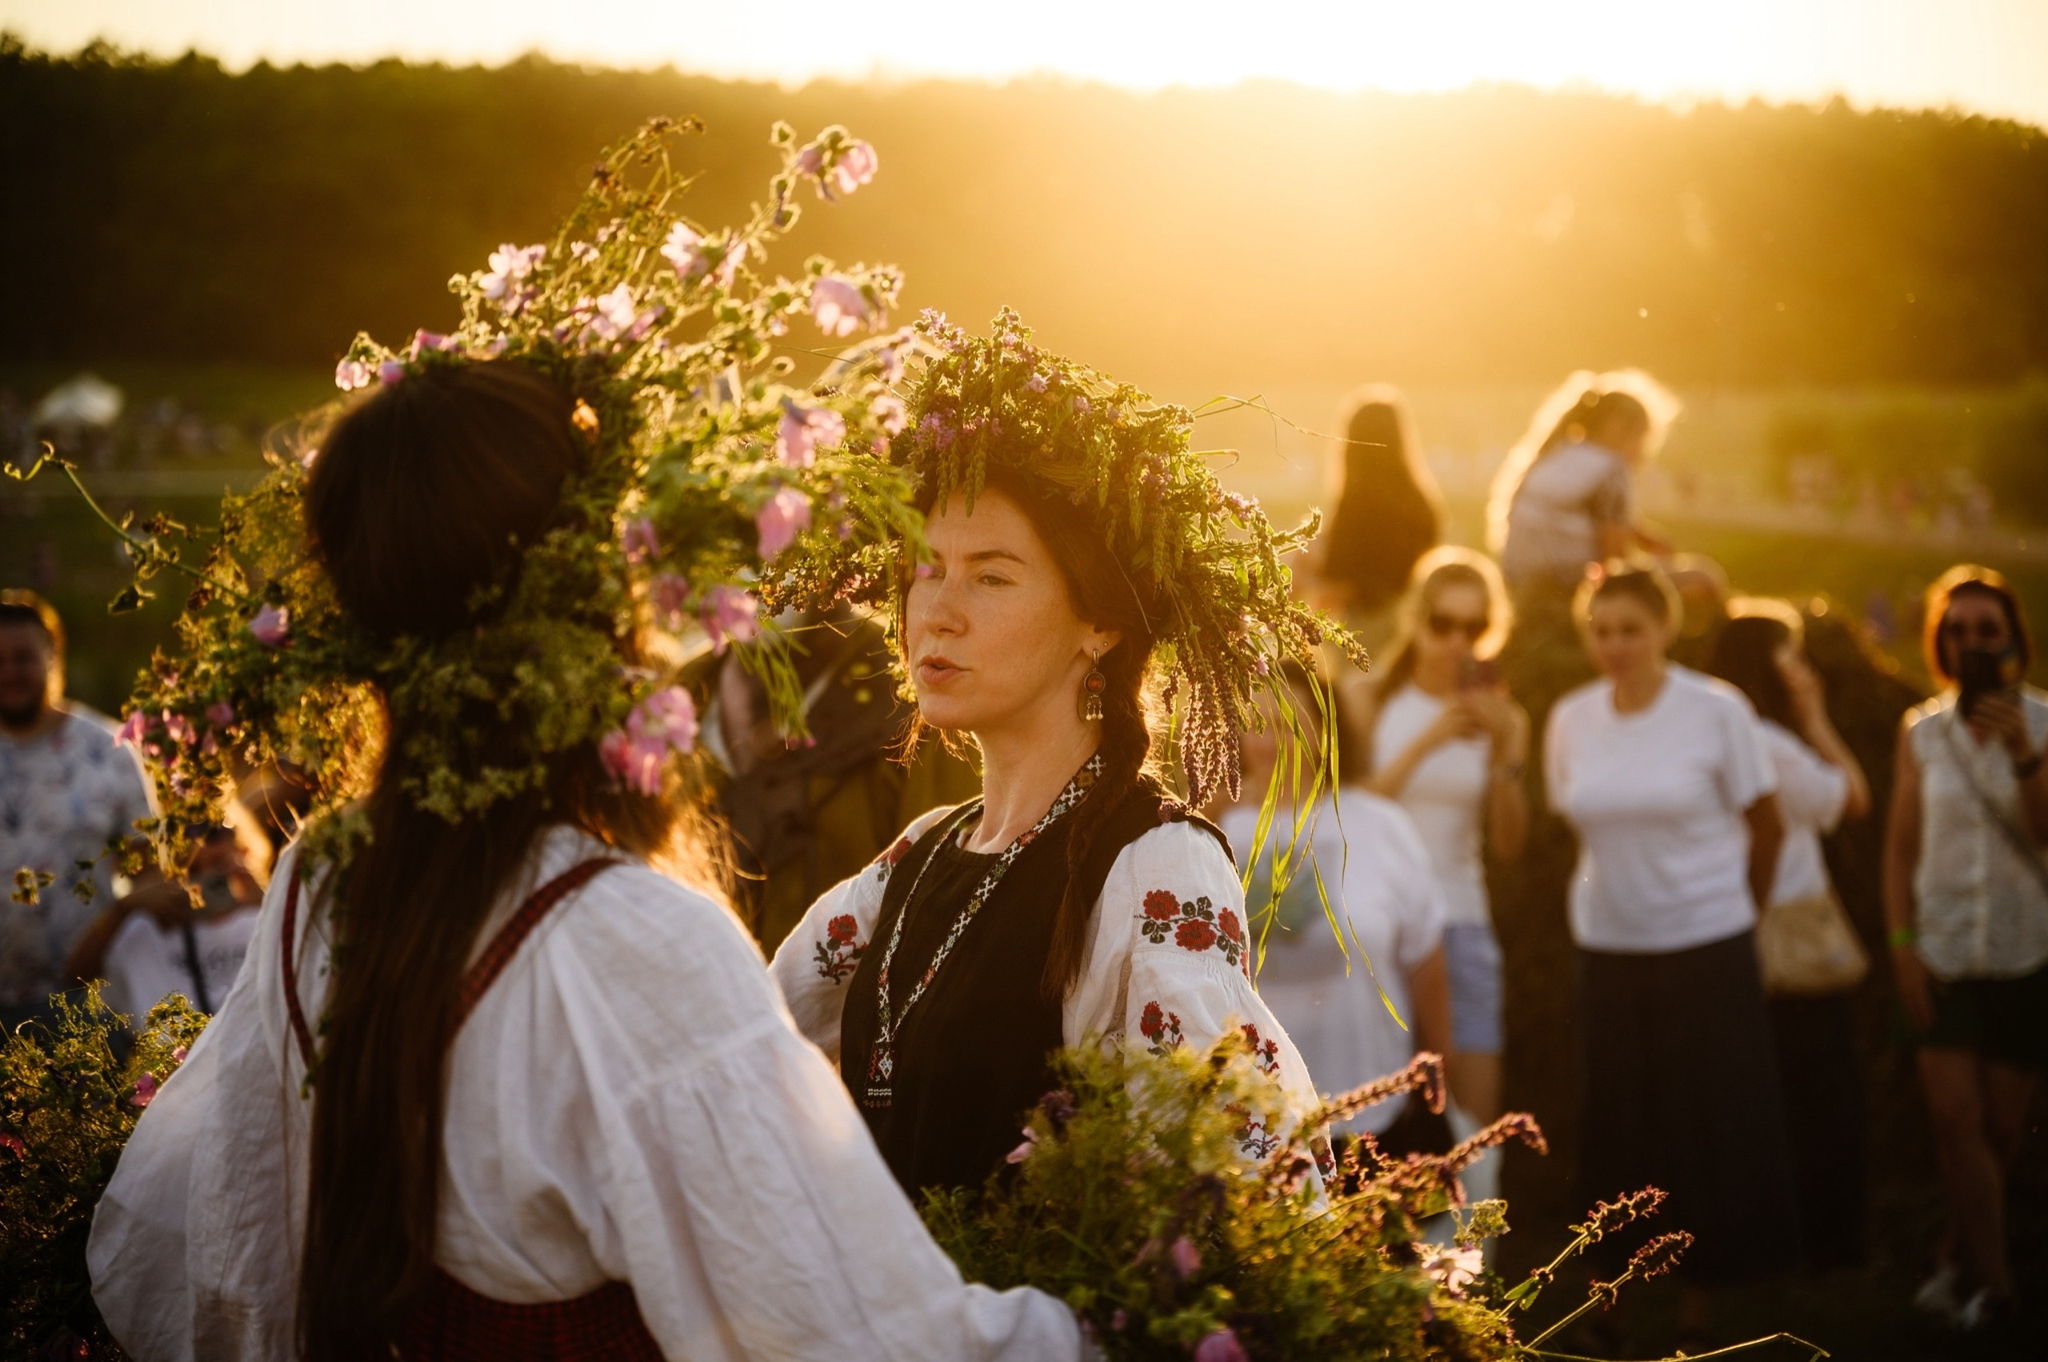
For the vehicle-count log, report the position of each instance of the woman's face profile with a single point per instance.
(990, 630)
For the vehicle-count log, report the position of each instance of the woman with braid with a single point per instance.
(1073, 537)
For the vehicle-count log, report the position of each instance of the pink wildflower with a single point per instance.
(351, 374)
(670, 594)
(730, 614)
(220, 714)
(14, 1144)
(1036, 383)
(1024, 1150)
(509, 265)
(778, 522)
(1221, 1346)
(423, 341)
(132, 729)
(640, 541)
(1185, 1257)
(854, 167)
(390, 372)
(178, 728)
(145, 1090)
(664, 722)
(615, 314)
(802, 429)
(178, 1055)
(889, 413)
(272, 625)
(838, 306)
(694, 255)
(583, 251)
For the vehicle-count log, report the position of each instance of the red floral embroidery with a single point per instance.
(1194, 925)
(886, 862)
(1253, 1138)
(1265, 1053)
(840, 951)
(1160, 1027)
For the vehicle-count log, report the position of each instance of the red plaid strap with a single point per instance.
(455, 1324)
(481, 975)
(499, 953)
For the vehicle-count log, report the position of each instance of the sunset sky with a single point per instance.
(1987, 56)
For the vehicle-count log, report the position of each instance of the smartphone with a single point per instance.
(1978, 673)
(1478, 674)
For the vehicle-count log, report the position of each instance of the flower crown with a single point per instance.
(1205, 564)
(707, 470)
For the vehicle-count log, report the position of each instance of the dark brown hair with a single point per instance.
(421, 498)
(1389, 512)
(19, 605)
(1745, 655)
(1637, 580)
(1970, 578)
(1103, 593)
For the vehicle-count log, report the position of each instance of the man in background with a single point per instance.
(68, 798)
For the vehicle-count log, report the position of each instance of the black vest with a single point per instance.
(974, 1055)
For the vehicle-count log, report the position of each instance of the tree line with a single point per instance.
(174, 209)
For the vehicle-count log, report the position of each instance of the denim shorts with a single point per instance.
(1472, 959)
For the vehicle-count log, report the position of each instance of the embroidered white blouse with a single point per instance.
(1168, 961)
(629, 1101)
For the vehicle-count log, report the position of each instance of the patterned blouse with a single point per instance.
(1168, 963)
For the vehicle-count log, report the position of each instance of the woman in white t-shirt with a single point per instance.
(1966, 912)
(1565, 495)
(1664, 775)
(1760, 651)
(1339, 1001)
(1442, 738)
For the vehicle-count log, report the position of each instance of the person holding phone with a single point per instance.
(1442, 738)
(1966, 915)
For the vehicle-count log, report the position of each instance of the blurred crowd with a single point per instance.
(1587, 781)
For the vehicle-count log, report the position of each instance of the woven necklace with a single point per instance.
(889, 1019)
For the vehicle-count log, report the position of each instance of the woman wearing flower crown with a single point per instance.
(1076, 547)
(493, 1085)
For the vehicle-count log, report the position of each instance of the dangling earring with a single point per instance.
(1092, 686)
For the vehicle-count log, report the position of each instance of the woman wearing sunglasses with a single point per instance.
(1966, 914)
(1443, 738)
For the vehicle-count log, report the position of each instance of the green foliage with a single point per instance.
(67, 1106)
(183, 209)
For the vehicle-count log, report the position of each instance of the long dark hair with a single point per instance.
(1745, 655)
(420, 498)
(1389, 510)
(1103, 593)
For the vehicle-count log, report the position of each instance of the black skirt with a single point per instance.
(1682, 1093)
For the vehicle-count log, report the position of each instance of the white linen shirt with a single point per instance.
(1378, 881)
(1445, 796)
(1980, 910)
(1658, 798)
(629, 1101)
(1175, 984)
(1811, 793)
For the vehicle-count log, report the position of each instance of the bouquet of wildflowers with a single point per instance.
(67, 1105)
(1128, 1199)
